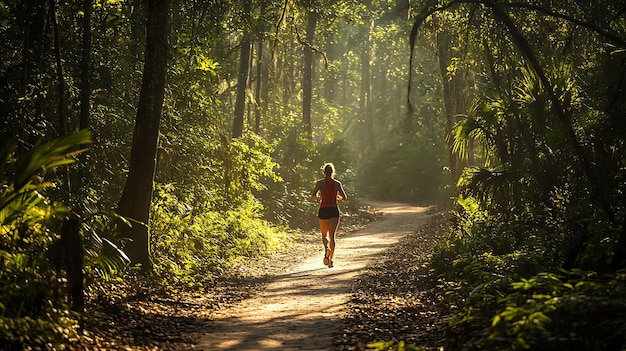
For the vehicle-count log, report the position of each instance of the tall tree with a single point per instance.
(59, 71)
(457, 88)
(242, 76)
(307, 79)
(259, 105)
(85, 78)
(365, 101)
(32, 62)
(135, 201)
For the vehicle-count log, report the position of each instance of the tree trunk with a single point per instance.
(443, 53)
(287, 69)
(242, 77)
(85, 79)
(63, 129)
(32, 57)
(135, 17)
(261, 74)
(72, 258)
(307, 79)
(365, 94)
(385, 94)
(345, 86)
(259, 80)
(331, 76)
(137, 195)
(136, 14)
(83, 176)
(456, 97)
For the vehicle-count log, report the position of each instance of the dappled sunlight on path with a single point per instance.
(301, 309)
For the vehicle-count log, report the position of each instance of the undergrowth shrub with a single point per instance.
(567, 310)
(188, 248)
(407, 171)
(502, 276)
(287, 202)
(34, 311)
(54, 330)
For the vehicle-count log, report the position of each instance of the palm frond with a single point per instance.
(47, 156)
(488, 185)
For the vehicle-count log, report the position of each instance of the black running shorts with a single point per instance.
(328, 212)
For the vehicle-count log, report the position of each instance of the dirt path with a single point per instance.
(301, 309)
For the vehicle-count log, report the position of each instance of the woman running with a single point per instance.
(328, 190)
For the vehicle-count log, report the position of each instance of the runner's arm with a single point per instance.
(341, 193)
(314, 195)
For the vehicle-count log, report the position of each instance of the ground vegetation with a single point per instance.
(152, 147)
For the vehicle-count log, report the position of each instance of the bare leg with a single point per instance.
(333, 224)
(325, 229)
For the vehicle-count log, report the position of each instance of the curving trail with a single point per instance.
(301, 309)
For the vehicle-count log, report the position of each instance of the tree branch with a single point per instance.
(418, 22)
(611, 36)
(312, 48)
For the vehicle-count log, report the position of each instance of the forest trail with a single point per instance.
(301, 309)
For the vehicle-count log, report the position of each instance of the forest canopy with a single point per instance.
(167, 141)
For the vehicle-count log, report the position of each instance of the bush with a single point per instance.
(34, 311)
(406, 172)
(188, 248)
(570, 310)
(501, 274)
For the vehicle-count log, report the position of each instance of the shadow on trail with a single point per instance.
(299, 310)
(294, 308)
(281, 333)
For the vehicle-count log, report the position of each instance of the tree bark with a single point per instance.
(63, 129)
(134, 17)
(444, 56)
(85, 79)
(135, 200)
(331, 78)
(242, 77)
(457, 92)
(259, 81)
(32, 57)
(307, 79)
(365, 93)
(260, 93)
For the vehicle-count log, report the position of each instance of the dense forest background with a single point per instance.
(155, 144)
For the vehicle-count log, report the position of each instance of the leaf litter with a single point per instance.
(174, 321)
(395, 301)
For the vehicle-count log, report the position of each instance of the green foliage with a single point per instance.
(105, 263)
(527, 205)
(570, 310)
(55, 329)
(392, 346)
(191, 248)
(288, 202)
(248, 166)
(407, 171)
(33, 308)
(503, 304)
(489, 269)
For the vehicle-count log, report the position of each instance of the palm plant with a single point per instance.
(30, 227)
(521, 142)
